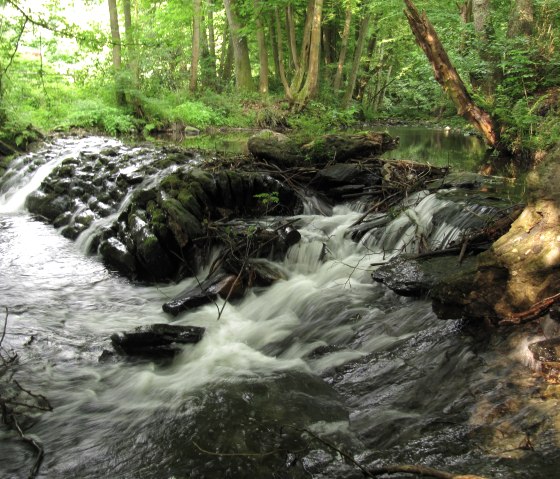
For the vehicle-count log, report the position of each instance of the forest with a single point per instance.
(142, 67)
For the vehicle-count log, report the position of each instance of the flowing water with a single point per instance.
(325, 350)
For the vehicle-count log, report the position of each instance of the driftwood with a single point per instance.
(16, 400)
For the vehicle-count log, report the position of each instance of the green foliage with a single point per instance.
(267, 199)
(197, 114)
(94, 114)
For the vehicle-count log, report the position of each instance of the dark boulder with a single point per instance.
(115, 254)
(224, 285)
(156, 340)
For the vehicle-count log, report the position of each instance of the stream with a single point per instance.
(325, 351)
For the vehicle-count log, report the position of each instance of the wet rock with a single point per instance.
(110, 151)
(223, 285)
(48, 205)
(149, 251)
(420, 276)
(546, 350)
(156, 340)
(115, 254)
(547, 353)
(184, 225)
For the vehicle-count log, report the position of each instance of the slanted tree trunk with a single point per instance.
(243, 78)
(263, 52)
(343, 47)
(364, 26)
(117, 54)
(197, 17)
(448, 78)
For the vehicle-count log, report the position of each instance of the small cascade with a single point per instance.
(16, 188)
(429, 222)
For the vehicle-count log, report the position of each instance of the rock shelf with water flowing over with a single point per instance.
(312, 343)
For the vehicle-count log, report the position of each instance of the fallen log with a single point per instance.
(282, 151)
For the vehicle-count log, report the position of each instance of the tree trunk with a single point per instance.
(243, 78)
(522, 19)
(211, 39)
(273, 46)
(227, 70)
(310, 86)
(343, 47)
(448, 78)
(292, 36)
(481, 19)
(364, 25)
(280, 57)
(481, 15)
(197, 16)
(133, 62)
(263, 52)
(117, 55)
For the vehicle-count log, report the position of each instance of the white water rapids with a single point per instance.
(326, 349)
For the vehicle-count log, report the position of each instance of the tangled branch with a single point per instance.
(15, 400)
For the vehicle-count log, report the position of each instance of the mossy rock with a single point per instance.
(184, 225)
(190, 203)
(205, 180)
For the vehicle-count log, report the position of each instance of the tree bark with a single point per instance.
(211, 39)
(343, 47)
(280, 57)
(197, 17)
(117, 54)
(290, 26)
(364, 25)
(448, 78)
(309, 88)
(243, 78)
(522, 19)
(133, 61)
(263, 52)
